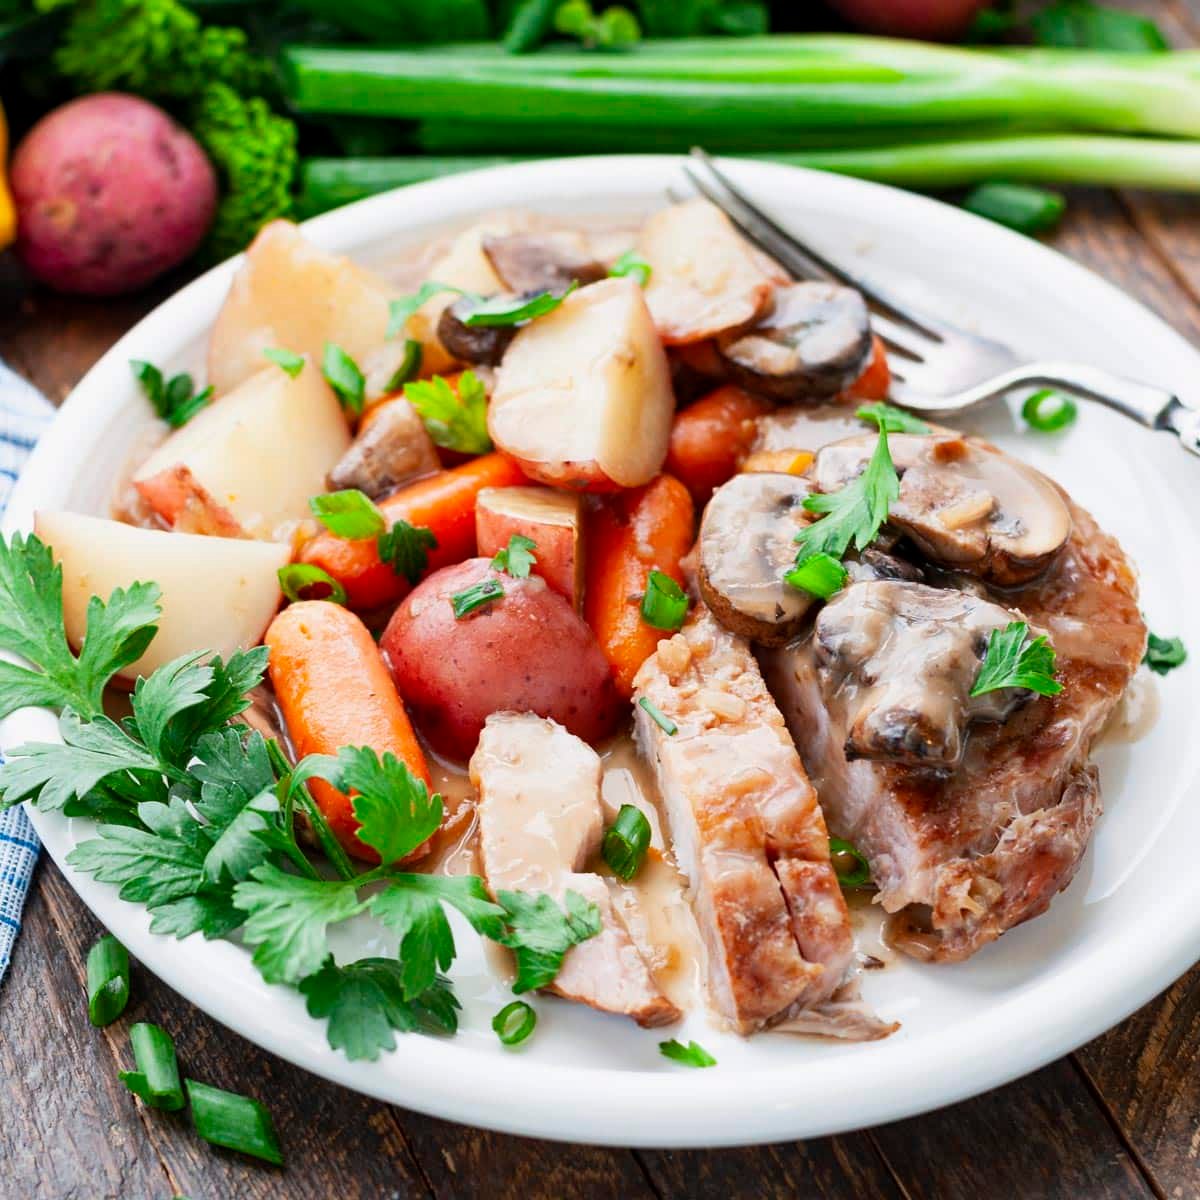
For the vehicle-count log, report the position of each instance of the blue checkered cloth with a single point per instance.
(24, 414)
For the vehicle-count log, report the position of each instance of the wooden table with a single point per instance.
(1119, 1118)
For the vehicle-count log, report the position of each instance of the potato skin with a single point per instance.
(528, 651)
(110, 193)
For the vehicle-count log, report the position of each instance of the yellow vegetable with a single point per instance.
(8, 212)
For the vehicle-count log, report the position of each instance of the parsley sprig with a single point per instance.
(1013, 660)
(197, 819)
(354, 515)
(175, 400)
(455, 417)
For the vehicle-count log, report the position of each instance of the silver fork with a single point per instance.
(938, 367)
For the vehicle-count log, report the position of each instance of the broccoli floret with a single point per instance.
(154, 48)
(254, 151)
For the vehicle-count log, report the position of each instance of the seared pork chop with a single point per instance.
(969, 852)
(540, 821)
(748, 834)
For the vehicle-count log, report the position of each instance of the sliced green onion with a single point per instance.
(298, 579)
(156, 1080)
(512, 310)
(289, 361)
(1017, 205)
(818, 574)
(514, 1022)
(476, 596)
(1164, 654)
(664, 603)
(410, 365)
(851, 868)
(1083, 25)
(342, 374)
(1048, 410)
(400, 310)
(349, 514)
(631, 263)
(405, 548)
(107, 980)
(626, 841)
(691, 1055)
(658, 716)
(233, 1121)
(890, 418)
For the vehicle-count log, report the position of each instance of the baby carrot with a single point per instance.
(627, 537)
(709, 439)
(334, 691)
(443, 503)
(874, 382)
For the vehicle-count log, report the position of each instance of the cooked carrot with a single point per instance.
(874, 382)
(334, 690)
(443, 503)
(628, 535)
(709, 439)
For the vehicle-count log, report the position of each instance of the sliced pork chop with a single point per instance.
(540, 821)
(747, 833)
(969, 852)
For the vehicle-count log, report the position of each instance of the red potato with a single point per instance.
(110, 193)
(528, 651)
(583, 398)
(937, 20)
(552, 520)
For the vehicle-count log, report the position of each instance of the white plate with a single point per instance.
(1127, 926)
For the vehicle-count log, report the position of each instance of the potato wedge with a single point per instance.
(218, 594)
(705, 278)
(290, 294)
(260, 452)
(553, 520)
(583, 398)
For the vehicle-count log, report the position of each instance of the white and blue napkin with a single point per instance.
(24, 415)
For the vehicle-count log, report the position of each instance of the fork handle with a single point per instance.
(1154, 407)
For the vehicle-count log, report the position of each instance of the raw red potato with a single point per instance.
(936, 20)
(233, 452)
(443, 503)
(552, 520)
(583, 399)
(217, 593)
(334, 690)
(527, 651)
(110, 193)
(627, 537)
(710, 438)
(289, 294)
(705, 278)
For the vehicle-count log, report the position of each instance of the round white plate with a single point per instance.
(1126, 927)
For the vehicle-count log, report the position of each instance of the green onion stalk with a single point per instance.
(777, 82)
(1045, 158)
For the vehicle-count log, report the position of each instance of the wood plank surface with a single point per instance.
(1119, 1119)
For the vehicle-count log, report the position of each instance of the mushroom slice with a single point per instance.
(705, 279)
(484, 344)
(899, 660)
(391, 448)
(962, 502)
(747, 542)
(814, 342)
(538, 262)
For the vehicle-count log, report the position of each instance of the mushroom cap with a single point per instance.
(538, 262)
(484, 344)
(746, 544)
(963, 503)
(813, 342)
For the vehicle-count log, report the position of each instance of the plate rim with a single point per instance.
(649, 1108)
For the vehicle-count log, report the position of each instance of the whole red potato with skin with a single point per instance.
(528, 651)
(110, 193)
(937, 20)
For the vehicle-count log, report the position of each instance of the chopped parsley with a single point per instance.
(1013, 660)
(175, 400)
(342, 374)
(286, 360)
(890, 419)
(405, 548)
(517, 558)
(348, 513)
(455, 419)
(400, 310)
(633, 265)
(1164, 654)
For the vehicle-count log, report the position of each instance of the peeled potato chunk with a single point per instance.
(583, 398)
(259, 453)
(705, 278)
(218, 594)
(292, 295)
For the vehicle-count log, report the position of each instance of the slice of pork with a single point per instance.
(748, 833)
(540, 822)
(969, 853)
